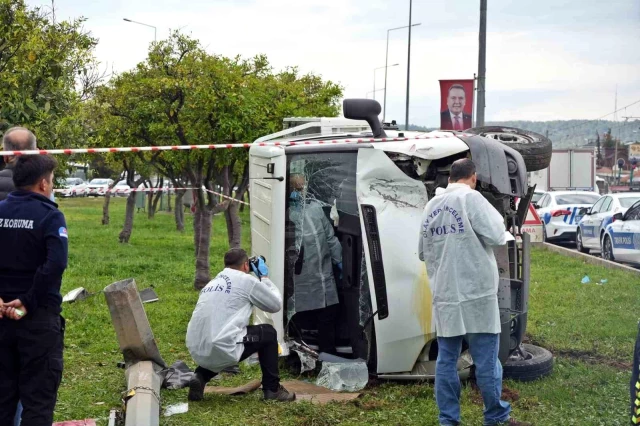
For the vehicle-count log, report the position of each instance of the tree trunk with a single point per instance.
(179, 211)
(150, 212)
(107, 202)
(125, 234)
(105, 208)
(169, 201)
(234, 225)
(154, 204)
(202, 224)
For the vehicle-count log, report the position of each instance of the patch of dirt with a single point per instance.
(508, 394)
(588, 357)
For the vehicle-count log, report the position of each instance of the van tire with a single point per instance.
(536, 363)
(535, 148)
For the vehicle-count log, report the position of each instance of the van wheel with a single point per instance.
(534, 148)
(528, 363)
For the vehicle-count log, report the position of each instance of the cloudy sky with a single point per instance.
(546, 60)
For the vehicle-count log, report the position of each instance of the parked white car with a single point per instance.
(621, 241)
(121, 189)
(560, 213)
(99, 187)
(74, 187)
(595, 219)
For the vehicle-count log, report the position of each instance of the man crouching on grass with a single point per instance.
(219, 334)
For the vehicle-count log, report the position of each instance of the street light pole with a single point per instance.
(385, 79)
(482, 64)
(409, 68)
(386, 62)
(155, 38)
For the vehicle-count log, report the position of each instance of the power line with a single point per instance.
(596, 119)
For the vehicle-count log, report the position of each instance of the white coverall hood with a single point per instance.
(459, 229)
(219, 321)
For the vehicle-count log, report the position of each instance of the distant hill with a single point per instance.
(571, 133)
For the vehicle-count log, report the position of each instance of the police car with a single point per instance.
(560, 213)
(596, 219)
(621, 241)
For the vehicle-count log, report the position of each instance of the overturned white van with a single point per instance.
(373, 187)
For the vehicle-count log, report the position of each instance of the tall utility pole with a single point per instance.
(482, 64)
(408, 68)
(386, 63)
(615, 118)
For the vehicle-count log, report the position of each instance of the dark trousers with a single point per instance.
(262, 339)
(31, 366)
(327, 317)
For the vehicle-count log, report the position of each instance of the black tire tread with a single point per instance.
(539, 366)
(536, 153)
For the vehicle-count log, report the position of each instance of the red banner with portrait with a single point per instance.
(456, 104)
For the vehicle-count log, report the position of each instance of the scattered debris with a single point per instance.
(113, 418)
(240, 390)
(176, 409)
(149, 295)
(316, 394)
(344, 376)
(76, 294)
(586, 279)
(177, 376)
(603, 281)
(307, 362)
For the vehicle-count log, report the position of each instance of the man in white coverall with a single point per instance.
(219, 334)
(459, 229)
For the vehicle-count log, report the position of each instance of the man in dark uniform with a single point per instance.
(33, 257)
(14, 139)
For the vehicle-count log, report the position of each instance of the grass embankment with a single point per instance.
(593, 327)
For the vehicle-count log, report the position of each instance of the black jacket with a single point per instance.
(33, 250)
(6, 181)
(446, 124)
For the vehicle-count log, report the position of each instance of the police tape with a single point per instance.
(71, 151)
(127, 191)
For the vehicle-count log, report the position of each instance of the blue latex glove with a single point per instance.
(339, 265)
(261, 270)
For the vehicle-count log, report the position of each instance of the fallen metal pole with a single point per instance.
(131, 324)
(140, 352)
(143, 395)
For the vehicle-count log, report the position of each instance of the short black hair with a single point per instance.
(30, 169)
(235, 258)
(462, 169)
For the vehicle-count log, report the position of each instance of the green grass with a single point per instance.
(564, 314)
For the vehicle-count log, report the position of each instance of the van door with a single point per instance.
(391, 206)
(266, 166)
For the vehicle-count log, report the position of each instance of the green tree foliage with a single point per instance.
(46, 69)
(182, 95)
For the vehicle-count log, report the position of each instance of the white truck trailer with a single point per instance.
(570, 170)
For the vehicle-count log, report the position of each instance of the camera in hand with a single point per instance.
(255, 260)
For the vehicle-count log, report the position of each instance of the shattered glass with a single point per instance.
(307, 362)
(344, 376)
(321, 188)
(366, 311)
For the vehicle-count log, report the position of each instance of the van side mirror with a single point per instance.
(618, 216)
(365, 109)
(585, 211)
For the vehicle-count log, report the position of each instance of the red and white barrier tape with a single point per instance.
(218, 146)
(127, 191)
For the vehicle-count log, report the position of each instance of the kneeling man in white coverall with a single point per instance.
(219, 334)
(459, 229)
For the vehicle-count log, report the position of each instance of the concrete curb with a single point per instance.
(588, 258)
